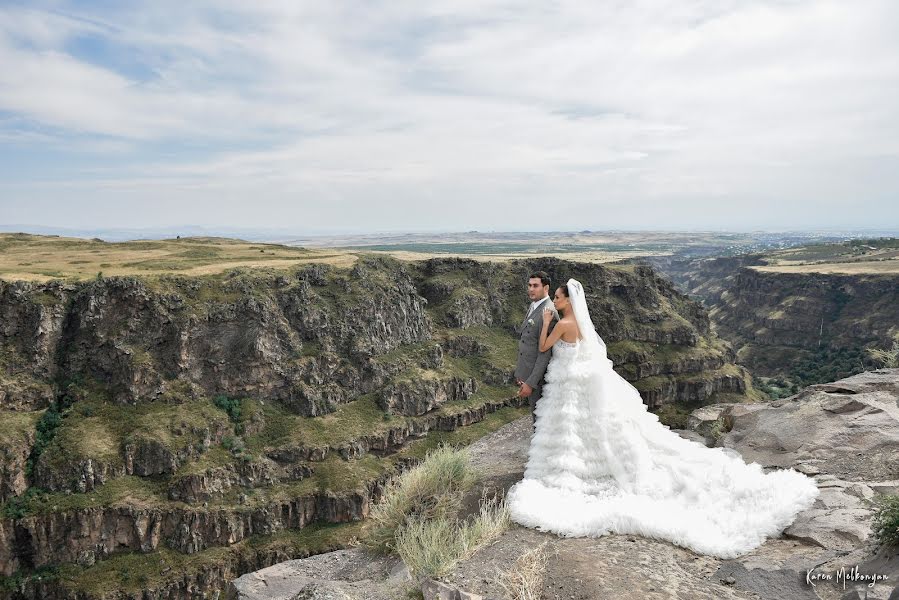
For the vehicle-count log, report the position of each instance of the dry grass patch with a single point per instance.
(40, 258)
(432, 547)
(417, 516)
(525, 580)
(432, 489)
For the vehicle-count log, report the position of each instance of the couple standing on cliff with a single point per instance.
(599, 462)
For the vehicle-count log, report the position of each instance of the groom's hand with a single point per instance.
(525, 390)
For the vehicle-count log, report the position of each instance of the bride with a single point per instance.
(600, 463)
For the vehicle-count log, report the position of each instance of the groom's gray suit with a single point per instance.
(531, 362)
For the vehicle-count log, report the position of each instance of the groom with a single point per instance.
(531, 362)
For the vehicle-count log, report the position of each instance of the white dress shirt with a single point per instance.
(534, 305)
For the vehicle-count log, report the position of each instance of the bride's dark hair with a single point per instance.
(564, 289)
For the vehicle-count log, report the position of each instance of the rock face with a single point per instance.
(187, 414)
(418, 396)
(306, 341)
(14, 451)
(845, 434)
(626, 302)
(774, 319)
(233, 336)
(657, 338)
(88, 535)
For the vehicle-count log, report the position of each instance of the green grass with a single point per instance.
(79, 438)
(484, 395)
(333, 475)
(46, 299)
(350, 421)
(98, 429)
(16, 426)
(709, 375)
(417, 516)
(94, 436)
(359, 418)
(136, 490)
(626, 350)
(217, 456)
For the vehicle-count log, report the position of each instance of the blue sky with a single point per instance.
(450, 115)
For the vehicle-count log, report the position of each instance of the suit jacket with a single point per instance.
(531, 362)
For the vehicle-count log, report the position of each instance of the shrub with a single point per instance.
(230, 405)
(19, 506)
(886, 521)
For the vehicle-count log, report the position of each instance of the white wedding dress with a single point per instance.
(600, 463)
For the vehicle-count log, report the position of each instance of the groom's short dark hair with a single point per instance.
(543, 276)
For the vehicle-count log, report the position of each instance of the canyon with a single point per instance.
(163, 434)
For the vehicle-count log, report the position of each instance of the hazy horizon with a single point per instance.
(188, 230)
(686, 116)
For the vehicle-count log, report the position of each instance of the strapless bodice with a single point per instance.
(560, 343)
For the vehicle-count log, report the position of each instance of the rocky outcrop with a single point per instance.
(84, 536)
(467, 309)
(630, 305)
(306, 340)
(626, 302)
(194, 488)
(693, 390)
(414, 397)
(848, 428)
(15, 446)
(703, 278)
(342, 575)
(31, 321)
(844, 434)
(806, 310)
(394, 438)
(207, 580)
(237, 335)
(139, 455)
(774, 319)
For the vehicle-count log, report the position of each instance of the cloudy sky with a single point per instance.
(450, 115)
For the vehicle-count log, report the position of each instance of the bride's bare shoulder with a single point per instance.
(571, 324)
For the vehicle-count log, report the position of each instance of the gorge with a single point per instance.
(166, 433)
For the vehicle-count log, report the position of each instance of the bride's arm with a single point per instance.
(548, 339)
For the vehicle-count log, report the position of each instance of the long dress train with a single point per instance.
(600, 462)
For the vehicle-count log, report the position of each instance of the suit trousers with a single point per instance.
(532, 401)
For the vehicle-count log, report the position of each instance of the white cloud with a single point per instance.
(493, 107)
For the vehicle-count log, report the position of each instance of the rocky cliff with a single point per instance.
(804, 326)
(212, 424)
(844, 434)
